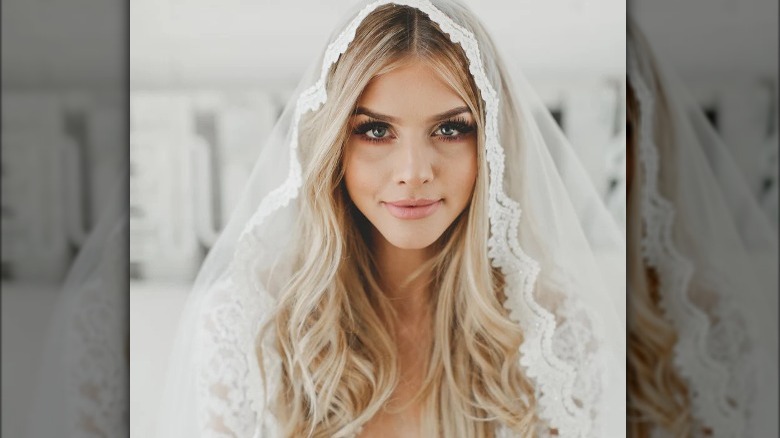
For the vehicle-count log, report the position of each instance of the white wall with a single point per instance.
(175, 43)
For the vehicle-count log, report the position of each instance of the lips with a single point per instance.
(413, 208)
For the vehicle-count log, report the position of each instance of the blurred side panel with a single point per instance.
(704, 94)
(64, 169)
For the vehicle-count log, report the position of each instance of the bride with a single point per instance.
(378, 278)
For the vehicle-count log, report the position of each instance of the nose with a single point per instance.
(414, 164)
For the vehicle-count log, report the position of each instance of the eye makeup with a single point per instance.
(376, 131)
(454, 129)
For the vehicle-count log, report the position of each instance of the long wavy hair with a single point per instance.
(333, 325)
(658, 397)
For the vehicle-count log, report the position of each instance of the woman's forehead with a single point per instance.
(412, 91)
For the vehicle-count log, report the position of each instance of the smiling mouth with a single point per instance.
(413, 208)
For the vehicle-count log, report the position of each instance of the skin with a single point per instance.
(419, 155)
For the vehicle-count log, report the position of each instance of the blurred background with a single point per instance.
(64, 165)
(726, 54)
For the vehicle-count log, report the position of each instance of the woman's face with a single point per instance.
(411, 159)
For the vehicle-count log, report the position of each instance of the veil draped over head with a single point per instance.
(702, 281)
(558, 248)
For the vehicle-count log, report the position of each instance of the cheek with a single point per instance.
(359, 175)
(351, 181)
(463, 172)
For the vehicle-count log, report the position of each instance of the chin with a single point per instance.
(411, 240)
(410, 245)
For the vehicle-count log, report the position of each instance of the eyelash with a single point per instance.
(459, 124)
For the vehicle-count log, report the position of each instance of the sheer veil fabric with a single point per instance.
(560, 250)
(713, 250)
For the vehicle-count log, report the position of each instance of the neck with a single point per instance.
(410, 299)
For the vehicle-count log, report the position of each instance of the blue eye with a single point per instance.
(454, 129)
(447, 131)
(377, 132)
(373, 131)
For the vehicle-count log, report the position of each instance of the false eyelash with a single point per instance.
(460, 124)
(368, 125)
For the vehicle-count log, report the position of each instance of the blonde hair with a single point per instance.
(333, 326)
(657, 395)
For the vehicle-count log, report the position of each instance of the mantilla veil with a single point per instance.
(560, 251)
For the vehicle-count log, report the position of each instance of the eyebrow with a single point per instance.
(445, 115)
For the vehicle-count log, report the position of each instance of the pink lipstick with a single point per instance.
(413, 208)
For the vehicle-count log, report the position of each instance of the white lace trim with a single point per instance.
(707, 379)
(554, 378)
